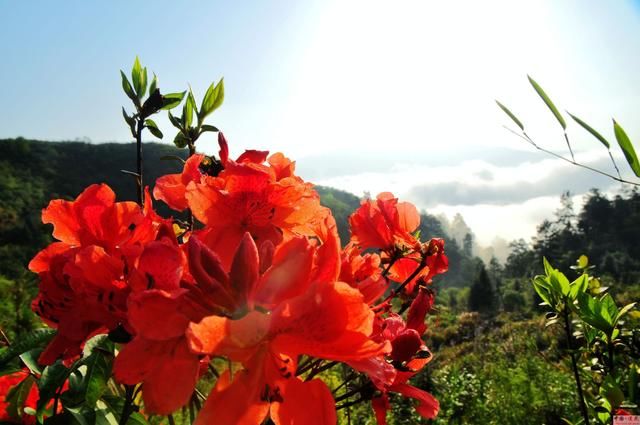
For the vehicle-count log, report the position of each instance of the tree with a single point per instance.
(482, 297)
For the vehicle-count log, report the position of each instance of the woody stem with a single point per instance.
(422, 265)
(127, 409)
(139, 180)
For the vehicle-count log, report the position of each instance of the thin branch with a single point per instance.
(614, 164)
(573, 158)
(320, 370)
(5, 337)
(595, 170)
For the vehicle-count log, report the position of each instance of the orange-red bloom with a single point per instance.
(385, 224)
(83, 277)
(266, 200)
(290, 313)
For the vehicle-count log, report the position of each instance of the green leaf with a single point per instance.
(212, 100)
(180, 140)
(548, 102)
(624, 310)
(596, 312)
(578, 285)
(126, 86)
(548, 269)
(187, 110)
(627, 148)
(207, 127)
(30, 359)
(154, 84)
(96, 377)
(153, 128)
(612, 392)
(17, 396)
(129, 120)
(541, 287)
(174, 121)
(137, 78)
(171, 100)
(609, 309)
(38, 338)
(511, 115)
(50, 381)
(583, 262)
(136, 418)
(591, 130)
(143, 83)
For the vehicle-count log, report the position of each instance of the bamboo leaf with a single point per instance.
(548, 102)
(511, 115)
(591, 130)
(627, 148)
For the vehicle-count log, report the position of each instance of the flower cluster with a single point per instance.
(257, 276)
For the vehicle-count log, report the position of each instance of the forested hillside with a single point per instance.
(491, 348)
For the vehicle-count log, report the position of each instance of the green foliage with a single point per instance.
(627, 148)
(591, 130)
(605, 347)
(511, 115)
(501, 377)
(545, 98)
(482, 296)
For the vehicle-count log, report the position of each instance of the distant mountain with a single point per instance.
(33, 172)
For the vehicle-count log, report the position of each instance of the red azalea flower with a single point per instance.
(292, 314)
(267, 201)
(84, 277)
(385, 224)
(308, 315)
(408, 356)
(94, 218)
(171, 188)
(363, 272)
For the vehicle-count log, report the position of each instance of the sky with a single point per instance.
(366, 96)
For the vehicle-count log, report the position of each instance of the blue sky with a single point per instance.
(366, 95)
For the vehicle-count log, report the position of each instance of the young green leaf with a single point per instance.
(126, 86)
(511, 115)
(129, 120)
(207, 127)
(548, 102)
(591, 130)
(153, 128)
(154, 84)
(176, 122)
(187, 110)
(579, 285)
(137, 77)
(624, 310)
(212, 100)
(627, 148)
(541, 287)
(180, 140)
(171, 100)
